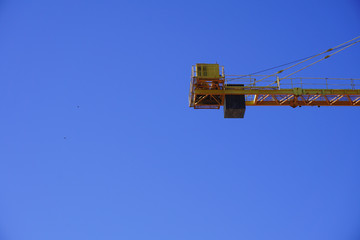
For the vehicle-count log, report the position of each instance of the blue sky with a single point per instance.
(97, 140)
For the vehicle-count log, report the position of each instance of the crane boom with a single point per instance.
(210, 89)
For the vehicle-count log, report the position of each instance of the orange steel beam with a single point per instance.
(275, 99)
(349, 98)
(327, 100)
(302, 98)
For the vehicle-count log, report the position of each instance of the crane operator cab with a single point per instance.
(207, 91)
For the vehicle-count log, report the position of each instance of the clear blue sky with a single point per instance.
(97, 140)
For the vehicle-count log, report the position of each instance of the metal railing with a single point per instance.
(194, 71)
(249, 81)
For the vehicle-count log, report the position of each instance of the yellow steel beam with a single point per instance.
(300, 103)
(293, 91)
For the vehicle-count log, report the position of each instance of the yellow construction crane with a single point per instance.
(211, 89)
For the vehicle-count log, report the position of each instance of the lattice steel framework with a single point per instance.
(289, 92)
(274, 90)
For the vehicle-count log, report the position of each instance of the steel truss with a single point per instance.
(287, 97)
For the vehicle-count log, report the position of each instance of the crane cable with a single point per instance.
(347, 44)
(285, 64)
(326, 57)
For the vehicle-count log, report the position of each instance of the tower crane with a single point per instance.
(211, 89)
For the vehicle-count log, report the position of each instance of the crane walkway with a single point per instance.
(287, 92)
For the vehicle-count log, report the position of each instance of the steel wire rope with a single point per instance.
(326, 57)
(329, 50)
(343, 45)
